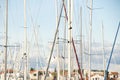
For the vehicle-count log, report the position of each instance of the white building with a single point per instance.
(97, 77)
(39, 75)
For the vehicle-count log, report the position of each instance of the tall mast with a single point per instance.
(90, 38)
(64, 46)
(37, 67)
(106, 71)
(103, 48)
(25, 42)
(54, 42)
(81, 35)
(70, 2)
(6, 39)
(58, 56)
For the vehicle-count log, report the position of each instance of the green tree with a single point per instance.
(32, 69)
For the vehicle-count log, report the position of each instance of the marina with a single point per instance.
(59, 40)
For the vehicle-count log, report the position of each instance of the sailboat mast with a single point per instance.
(25, 42)
(81, 35)
(110, 57)
(54, 42)
(64, 46)
(90, 38)
(69, 36)
(58, 56)
(37, 67)
(6, 39)
(103, 48)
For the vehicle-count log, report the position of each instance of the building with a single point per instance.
(39, 75)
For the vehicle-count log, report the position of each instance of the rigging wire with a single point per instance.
(37, 13)
(34, 32)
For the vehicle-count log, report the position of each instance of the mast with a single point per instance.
(53, 42)
(6, 39)
(103, 48)
(79, 69)
(37, 59)
(110, 57)
(25, 42)
(90, 39)
(64, 47)
(37, 67)
(58, 56)
(69, 36)
(81, 35)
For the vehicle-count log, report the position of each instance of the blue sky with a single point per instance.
(43, 14)
(110, 17)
